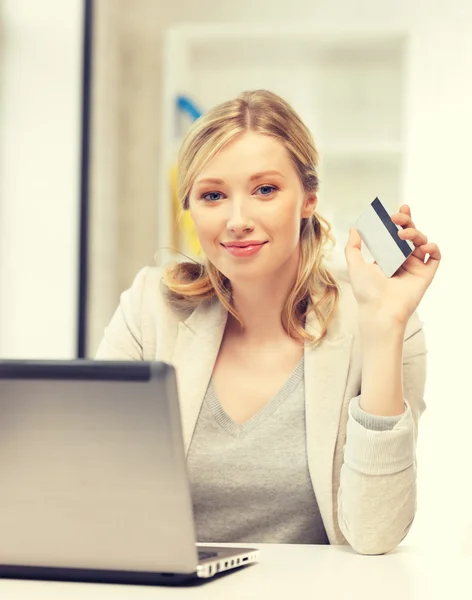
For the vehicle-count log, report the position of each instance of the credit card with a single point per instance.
(380, 234)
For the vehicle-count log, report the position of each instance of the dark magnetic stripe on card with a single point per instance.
(390, 227)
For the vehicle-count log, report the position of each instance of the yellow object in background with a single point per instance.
(185, 236)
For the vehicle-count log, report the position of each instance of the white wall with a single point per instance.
(40, 101)
(437, 186)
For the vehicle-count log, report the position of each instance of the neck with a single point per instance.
(260, 304)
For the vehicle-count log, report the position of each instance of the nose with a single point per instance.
(239, 221)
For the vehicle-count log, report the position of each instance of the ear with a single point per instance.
(309, 205)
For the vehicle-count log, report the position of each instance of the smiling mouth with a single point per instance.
(243, 244)
(243, 249)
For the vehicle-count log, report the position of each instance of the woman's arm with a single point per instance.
(377, 494)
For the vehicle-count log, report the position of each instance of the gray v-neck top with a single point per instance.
(250, 482)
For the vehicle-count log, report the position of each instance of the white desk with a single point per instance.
(296, 573)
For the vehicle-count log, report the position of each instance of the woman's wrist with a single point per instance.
(382, 368)
(380, 324)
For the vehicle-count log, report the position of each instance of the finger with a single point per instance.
(402, 219)
(434, 258)
(405, 209)
(353, 248)
(416, 237)
(433, 251)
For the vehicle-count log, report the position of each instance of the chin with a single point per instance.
(247, 272)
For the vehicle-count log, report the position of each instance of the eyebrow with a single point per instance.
(263, 174)
(254, 177)
(210, 180)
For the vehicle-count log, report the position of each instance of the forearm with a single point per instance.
(382, 371)
(377, 493)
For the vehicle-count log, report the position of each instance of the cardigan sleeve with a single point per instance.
(377, 493)
(374, 422)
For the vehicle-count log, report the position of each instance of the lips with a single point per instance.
(243, 244)
(244, 248)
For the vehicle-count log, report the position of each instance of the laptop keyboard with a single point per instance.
(202, 555)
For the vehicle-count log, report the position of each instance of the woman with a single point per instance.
(300, 394)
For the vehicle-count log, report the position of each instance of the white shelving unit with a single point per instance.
(347, 86)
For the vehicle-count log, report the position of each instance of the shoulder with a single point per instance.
(154, 320)
(148, 293)
(151, 299)
(146, 284)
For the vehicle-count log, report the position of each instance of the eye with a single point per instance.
(212, 196)
(267, 190)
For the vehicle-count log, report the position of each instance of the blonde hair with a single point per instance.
(190, 283)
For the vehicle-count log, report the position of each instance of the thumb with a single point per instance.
(353, 248)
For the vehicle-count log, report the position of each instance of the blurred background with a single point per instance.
(95, 96)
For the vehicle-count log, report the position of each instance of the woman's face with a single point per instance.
(247, 205)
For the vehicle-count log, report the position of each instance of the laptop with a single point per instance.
(93, 477)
